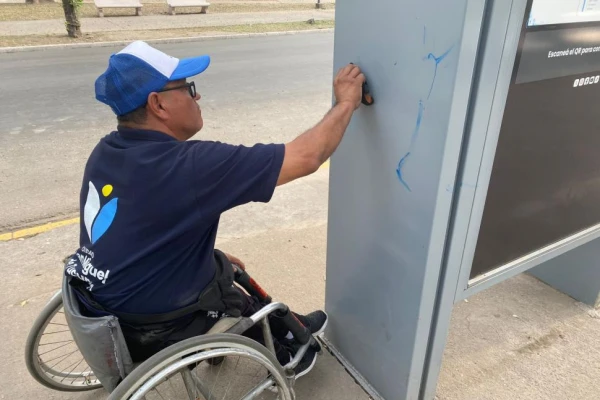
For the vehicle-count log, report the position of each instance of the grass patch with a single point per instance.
(36, 40)
(34, 12)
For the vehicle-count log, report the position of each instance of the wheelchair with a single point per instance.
(220, 364)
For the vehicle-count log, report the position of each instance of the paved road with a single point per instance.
(265, 89)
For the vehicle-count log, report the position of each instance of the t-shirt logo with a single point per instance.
(97, 220)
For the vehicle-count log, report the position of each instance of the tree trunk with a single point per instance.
(72, 22)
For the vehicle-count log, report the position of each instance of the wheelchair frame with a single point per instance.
(225, 337)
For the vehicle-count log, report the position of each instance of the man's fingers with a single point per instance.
(350, 70)
(240, 265)
(345, 70)
(354, 72)
(236, 261)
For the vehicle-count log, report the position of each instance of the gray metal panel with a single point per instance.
(495, 64)
(391, 180)
(576, 273)
(478, 159)
(529, 261)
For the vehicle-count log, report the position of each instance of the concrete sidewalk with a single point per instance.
(520, 340)
(158, 22)
(283, 250)
(290, 265)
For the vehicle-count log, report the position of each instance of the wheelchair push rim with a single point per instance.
(184, 359)
(52, 356)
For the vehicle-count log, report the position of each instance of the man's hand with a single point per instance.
(305, 154)
(347, 85)
(236, 261)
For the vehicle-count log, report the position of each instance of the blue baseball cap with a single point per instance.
(138, 70)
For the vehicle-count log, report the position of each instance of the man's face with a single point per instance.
(185, 117)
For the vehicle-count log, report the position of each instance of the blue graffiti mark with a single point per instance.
(399, 171)
(413, 141)
(418, 124)
(437, 60)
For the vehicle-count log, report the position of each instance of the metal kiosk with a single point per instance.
(480, 160)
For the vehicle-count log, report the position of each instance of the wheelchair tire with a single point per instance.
(32, 360)
(163, 363)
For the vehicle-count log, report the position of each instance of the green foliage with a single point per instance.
(76, 4)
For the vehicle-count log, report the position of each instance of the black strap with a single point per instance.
(135, 319)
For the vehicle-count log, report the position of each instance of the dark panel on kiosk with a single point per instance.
(545, 182)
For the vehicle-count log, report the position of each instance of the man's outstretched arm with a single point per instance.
(305, 154)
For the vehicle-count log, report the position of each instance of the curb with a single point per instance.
(47, 227)
(36, 230)
(22, 49)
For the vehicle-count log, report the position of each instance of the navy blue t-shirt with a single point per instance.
(150, 209)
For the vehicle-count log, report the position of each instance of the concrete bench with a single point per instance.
(101, 4)
(187, 3)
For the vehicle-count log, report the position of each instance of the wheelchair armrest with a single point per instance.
(241, 326)
(229, 325)
(301, 333)
(223, 325)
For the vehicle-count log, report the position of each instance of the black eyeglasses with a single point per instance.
(191, 87)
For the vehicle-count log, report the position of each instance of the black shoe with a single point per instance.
(307, 363)
(316, 321)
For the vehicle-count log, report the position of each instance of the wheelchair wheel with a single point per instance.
(248, 371)
(52, 356)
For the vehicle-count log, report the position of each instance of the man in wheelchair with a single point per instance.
(151, 201)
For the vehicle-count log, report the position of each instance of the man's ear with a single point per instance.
(156, 106)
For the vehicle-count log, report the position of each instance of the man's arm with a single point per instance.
(305, 154)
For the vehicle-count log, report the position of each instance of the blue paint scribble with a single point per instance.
(413, 141)
(399, 171)
(437, 60)
(418, 124)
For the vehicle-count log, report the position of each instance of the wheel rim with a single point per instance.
(58, 359)
(234, 370)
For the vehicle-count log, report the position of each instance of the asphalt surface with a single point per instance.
(266, 89)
